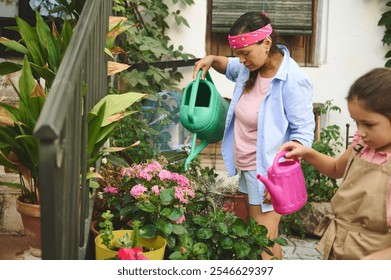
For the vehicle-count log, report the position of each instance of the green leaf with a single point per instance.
(281, 241)
(11, 185)
(31, 40)
(116, 103)
(66, 35)
(148, 231)
(242, 249)
(239, 228)
(226, 243)
(166, 196)
(177, 256)
(14, 45)
(222, 228)
(9, 67)
(200, 220)
(262, 239)
(186, 241)
(200, 248)
(94, 126)
(205, 233)
(164, 226)
(49, 43)
(179, 229)
(176, 214)
(147, 207)
(44, 72)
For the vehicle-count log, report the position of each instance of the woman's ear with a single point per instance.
(267, 41)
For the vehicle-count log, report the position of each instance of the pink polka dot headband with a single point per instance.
(247, 39)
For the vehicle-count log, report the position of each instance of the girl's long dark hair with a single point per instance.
(246, 23)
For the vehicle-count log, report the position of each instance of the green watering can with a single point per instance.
(203, 111)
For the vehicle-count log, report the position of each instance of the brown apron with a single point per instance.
(360, 225)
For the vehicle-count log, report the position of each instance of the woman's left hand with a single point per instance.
(267, 197)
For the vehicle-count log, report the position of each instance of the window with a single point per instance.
(294, 20)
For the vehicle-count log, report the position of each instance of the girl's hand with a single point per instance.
(295, 149)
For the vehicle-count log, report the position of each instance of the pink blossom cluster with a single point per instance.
(150, 179)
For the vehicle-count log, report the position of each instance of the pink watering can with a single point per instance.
(286, 185)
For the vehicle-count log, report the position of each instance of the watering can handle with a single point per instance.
(193, 95)
(281, 155)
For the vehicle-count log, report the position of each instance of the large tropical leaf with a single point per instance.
(30, 96)
(94, 126)
(9, 67)
(31, 40)
(14, 45)
(116, 103)
(49, 43)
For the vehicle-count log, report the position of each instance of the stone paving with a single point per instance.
(16, 248)
(301, 249)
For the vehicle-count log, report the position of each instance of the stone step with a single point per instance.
(10, 220)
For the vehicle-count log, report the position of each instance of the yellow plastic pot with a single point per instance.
(158, 244)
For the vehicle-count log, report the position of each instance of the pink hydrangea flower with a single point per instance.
(165, 175)
(138, 190)
(110, 189)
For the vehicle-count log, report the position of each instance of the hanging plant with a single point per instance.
(385, 20)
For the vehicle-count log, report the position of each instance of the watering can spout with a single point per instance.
(195, 150)
(273, 189)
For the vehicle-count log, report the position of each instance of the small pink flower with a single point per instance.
(165, 175)
(110, 189)
(155, 190)
(131, 254)
(228, 206)
(138, 190)
(180, 195)
(180, 220)
(181, 180)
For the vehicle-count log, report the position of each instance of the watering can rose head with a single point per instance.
(150, 193)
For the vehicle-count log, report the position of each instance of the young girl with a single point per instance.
(362, 205)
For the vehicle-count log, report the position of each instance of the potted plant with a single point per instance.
(221, 235)
(126, 244)
(19, 149)
(150, 193)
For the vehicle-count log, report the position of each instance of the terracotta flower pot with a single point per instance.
(158, 244)
(238, 205)
(31, 219)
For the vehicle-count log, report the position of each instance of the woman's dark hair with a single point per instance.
(246, 23)
(373, 91)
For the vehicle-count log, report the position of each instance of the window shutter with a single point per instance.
(290, 17)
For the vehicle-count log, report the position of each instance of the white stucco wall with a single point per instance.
(349, 46)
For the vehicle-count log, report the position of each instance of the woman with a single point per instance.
(271, 104)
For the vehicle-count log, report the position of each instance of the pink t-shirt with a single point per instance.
(370, 154)
(246, 124)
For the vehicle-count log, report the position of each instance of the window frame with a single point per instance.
(302, 47)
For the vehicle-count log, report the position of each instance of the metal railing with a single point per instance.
(80, 82)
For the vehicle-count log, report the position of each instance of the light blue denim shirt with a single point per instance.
(286, 113)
